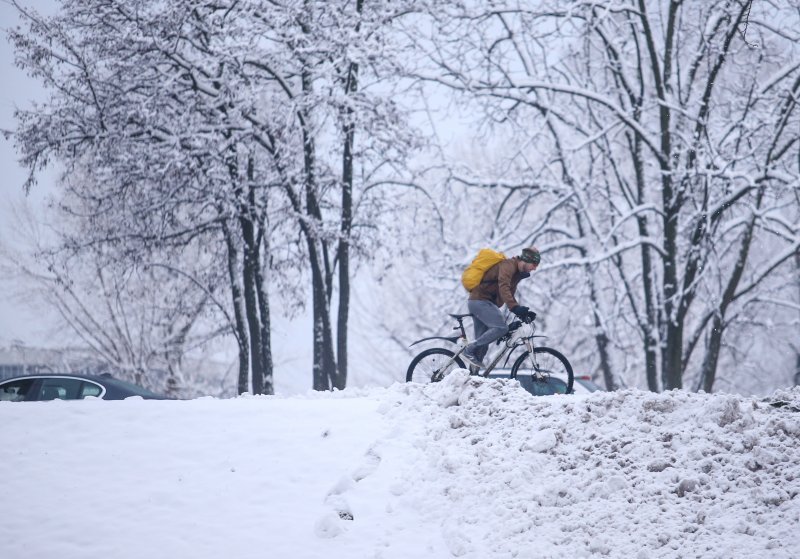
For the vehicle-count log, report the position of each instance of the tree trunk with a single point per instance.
(261, 295)
(709, 370)
(324, 366)
(344, 276)
(797, 348)
(266, 337)
(242, 336)
(649, 341)
(672, 350)
(266, 325)
(251, 306)
(351, 86)
(661, 68)
(601, 340)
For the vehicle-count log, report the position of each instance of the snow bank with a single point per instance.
(202, 479)
(624, 474)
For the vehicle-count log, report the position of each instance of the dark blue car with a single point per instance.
(36, 388)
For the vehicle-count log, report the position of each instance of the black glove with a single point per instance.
(520, 311)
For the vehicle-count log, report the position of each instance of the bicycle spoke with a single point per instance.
(546, 365)
(432, 365)
(542, 364)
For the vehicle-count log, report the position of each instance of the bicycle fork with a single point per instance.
(532, 356)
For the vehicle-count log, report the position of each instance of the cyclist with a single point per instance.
(498, 287)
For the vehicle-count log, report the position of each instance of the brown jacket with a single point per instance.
(499, 284)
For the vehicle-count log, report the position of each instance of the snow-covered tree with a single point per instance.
(233, 124)
(653, 146)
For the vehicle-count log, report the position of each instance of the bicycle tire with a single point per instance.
(547, 362)
(425, 367)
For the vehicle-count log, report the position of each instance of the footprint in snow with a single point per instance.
(368, 466)
(329, 525)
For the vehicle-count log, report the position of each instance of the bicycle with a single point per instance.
(540, 362)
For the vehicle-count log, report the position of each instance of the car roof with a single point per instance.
(589, 384)
(102, 379)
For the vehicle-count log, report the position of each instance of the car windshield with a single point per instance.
(544, 387)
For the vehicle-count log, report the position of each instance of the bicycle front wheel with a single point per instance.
(546, 370)
(432, 365)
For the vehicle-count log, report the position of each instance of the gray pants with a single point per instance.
(489, 325)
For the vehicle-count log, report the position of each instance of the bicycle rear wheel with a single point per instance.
(545, 363)
(432, 365)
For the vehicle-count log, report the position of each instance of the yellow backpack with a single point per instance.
(485, 259)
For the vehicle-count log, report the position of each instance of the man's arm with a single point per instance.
(504, 275)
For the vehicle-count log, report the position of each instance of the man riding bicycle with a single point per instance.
(497, 287)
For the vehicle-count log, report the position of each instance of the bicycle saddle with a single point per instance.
(460, 316)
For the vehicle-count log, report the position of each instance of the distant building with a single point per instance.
(19, 359)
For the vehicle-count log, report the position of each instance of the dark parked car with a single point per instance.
(33, 388)
(552, 385)
(555, 385)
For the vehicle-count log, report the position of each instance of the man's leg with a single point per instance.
(479, 328)
(476, 354)
(489, 326)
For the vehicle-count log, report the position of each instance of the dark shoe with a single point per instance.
(469, 356)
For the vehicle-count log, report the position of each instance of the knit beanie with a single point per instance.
(530, 255)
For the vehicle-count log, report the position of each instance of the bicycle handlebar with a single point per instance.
(530, 317)
(527, 319)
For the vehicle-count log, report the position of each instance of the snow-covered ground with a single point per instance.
(464, 468)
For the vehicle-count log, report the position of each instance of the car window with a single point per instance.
(58, 388)
(16, 390)
(90, 389)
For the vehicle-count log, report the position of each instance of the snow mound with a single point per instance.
(621, 474)
(467, 467)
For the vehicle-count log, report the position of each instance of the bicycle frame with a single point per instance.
(522, 335)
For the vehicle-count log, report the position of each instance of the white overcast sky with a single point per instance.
(18, 322)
